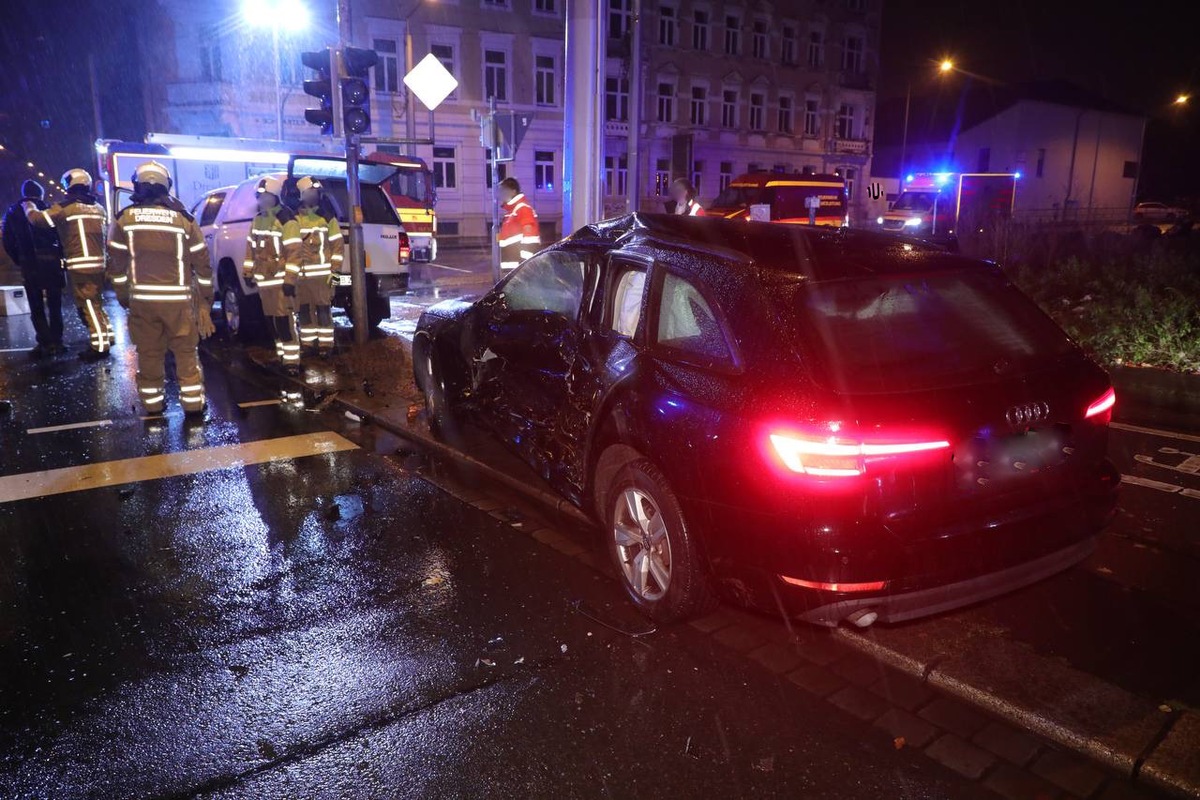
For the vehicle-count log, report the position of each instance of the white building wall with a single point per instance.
(1038, 140)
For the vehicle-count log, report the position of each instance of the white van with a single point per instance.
(225, 216)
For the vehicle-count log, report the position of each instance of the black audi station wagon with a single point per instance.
(840, 424)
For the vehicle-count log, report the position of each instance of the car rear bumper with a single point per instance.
(924, 602)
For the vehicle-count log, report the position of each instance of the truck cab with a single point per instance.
(225, 216)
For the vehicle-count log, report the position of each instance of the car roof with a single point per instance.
(775, 251)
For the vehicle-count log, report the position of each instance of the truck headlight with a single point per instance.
(913, 222)
(879, 220)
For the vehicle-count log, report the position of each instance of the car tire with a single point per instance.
(242, 313)
(379, 308)
(431, 380)
(656, 553)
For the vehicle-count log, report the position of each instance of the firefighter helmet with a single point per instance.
(76, 177)
(271, 184)
(152, 172)
(308, 184)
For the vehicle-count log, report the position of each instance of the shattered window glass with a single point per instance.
(548, 282)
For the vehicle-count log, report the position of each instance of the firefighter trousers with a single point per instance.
(159, 327)
(277, 307)
(314, 295)
(87, 288)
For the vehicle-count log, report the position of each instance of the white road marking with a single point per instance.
(1183, 437)
(1170, 488)
(187, 462)
(443, 266)
(100, 423)
(257, 403)
(16, 349)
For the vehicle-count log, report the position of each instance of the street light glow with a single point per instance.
(291, 15)
(946, 65)
(1182, 99)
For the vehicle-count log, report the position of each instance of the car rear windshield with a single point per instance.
(896, 333)
(377, 208)
(738, 197)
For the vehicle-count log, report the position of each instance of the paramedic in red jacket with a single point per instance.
(519, 237)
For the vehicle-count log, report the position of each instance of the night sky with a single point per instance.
(1140, 58)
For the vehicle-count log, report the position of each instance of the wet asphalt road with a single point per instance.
(334, 625)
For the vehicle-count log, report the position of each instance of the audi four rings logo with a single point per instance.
(1027, 414)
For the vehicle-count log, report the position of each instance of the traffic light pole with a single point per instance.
(358, 267)
(494, 172)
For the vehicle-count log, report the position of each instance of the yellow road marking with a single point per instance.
(168, 465)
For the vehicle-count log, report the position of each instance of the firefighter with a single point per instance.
(158, 264)
(684, 195)
(265, 262)
(80, 221)
(518, 236)
(312, 243)
(38, 253)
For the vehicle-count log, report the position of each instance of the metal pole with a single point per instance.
(904, 138)
(410, 108)
(1071, 169)
(494, 171)
(97, 119)
(358, 269)
(1137, 176)
(636, 95)
(278, 84)
(583, 129)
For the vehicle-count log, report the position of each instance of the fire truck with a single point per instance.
(781, 197)
(200, 164)
(940, 205)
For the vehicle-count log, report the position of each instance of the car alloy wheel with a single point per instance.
(643, 546)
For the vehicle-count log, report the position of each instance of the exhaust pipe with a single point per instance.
(863, 618)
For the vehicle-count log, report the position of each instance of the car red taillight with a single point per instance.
(405, 248)
(1101, 409)
(831, 450)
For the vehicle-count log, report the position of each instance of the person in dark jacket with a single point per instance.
(38, 253)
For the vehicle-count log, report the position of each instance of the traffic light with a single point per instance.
(322, 62)
(355, 82)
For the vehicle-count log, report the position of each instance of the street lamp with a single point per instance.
(290, 15)
(1182, 100)
(946, 65)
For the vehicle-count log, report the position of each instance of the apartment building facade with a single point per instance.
(727, 87)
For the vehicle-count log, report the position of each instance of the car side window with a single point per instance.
(208, 209)
(550, 281)
(687, 323)
(243, 204)
(625, 308)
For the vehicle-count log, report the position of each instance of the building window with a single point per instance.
(753, 167)
(666, 102)
(697, 175)
(847, 127)
(700, 30)
(668, 26)
(787, 45)
(984, 163)
(445, 173)
(758, 43)
(499, 5)
(782, 168)
(616, 175)
(545, 6)
(1041, 162)
(543, 170)
(729, 108)
(816, 49)
(502, 168)
(758, 104)
(699, 101)
(620, 17)
(733, 35)
(445, 54)
(849, 175)
(852, 54)
(726, 176)
(495, 75)
(386, 70)
(210, 55)
(616, 99)
(786, 124)
(544, 80)
(812, 117)
(662, 176)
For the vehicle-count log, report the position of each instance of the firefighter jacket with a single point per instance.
(80, 223)
(518, 236)
(312, 245)
(156, 253)
(265, 260)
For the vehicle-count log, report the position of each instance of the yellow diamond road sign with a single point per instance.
(430, 81)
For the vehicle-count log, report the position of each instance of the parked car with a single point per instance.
(225, 216)
(845, 425)
(1157, 212)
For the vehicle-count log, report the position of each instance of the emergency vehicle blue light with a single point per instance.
(1017, 175)
(942, 177)
(910, 178)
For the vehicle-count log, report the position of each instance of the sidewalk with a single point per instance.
(989, 707)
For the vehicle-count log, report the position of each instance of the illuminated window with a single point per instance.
(662, 176)
(543, 170)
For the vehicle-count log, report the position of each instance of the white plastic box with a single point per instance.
(13, 301)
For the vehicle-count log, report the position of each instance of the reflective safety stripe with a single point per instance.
(204, 281)
(182, 298)
(120, 278)
(145, 226)
(510, 240)
(292, 241)
(268, 282)
(526, 254)
(531, 240)
(159, 287)
(333, 237)
(190, 387)
(197, 247)
(116, 244)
